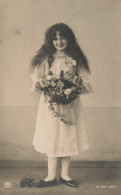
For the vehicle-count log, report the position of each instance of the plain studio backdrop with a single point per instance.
(96, 25)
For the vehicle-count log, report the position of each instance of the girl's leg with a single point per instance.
(65, 168)
(52, 166)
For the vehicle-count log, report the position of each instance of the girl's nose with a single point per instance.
(59, 40)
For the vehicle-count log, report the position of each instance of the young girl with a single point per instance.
(52, 136)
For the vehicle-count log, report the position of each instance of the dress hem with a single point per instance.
(64, 155)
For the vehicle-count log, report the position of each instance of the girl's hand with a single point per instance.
(35, 87)
(88, 87)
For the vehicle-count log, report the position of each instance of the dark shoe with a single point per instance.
(44, 183)
(70, 183)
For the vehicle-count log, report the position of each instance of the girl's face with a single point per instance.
(60, 43)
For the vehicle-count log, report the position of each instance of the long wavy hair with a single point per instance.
(73, 49)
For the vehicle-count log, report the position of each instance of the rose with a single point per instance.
(69, 60)
(61, 84)
(67, 91)
(48, 77)
(53, 84)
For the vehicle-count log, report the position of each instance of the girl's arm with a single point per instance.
(37, 76)
(85, 78)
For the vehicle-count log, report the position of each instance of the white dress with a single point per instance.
(52, 136)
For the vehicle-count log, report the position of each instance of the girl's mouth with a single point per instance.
(60, 45)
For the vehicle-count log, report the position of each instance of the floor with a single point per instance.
(91, 181)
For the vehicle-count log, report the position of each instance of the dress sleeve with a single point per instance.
(37, 76)
(85, 78)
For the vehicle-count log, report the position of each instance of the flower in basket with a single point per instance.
(62, 90)
(67, 92)
(70, 61)
(53, 84)
(48, 77)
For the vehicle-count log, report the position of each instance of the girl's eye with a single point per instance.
(62, 38)
(54, 39)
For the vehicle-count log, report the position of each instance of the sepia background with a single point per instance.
(96, 25)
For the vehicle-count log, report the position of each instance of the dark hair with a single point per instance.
(73, 49)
